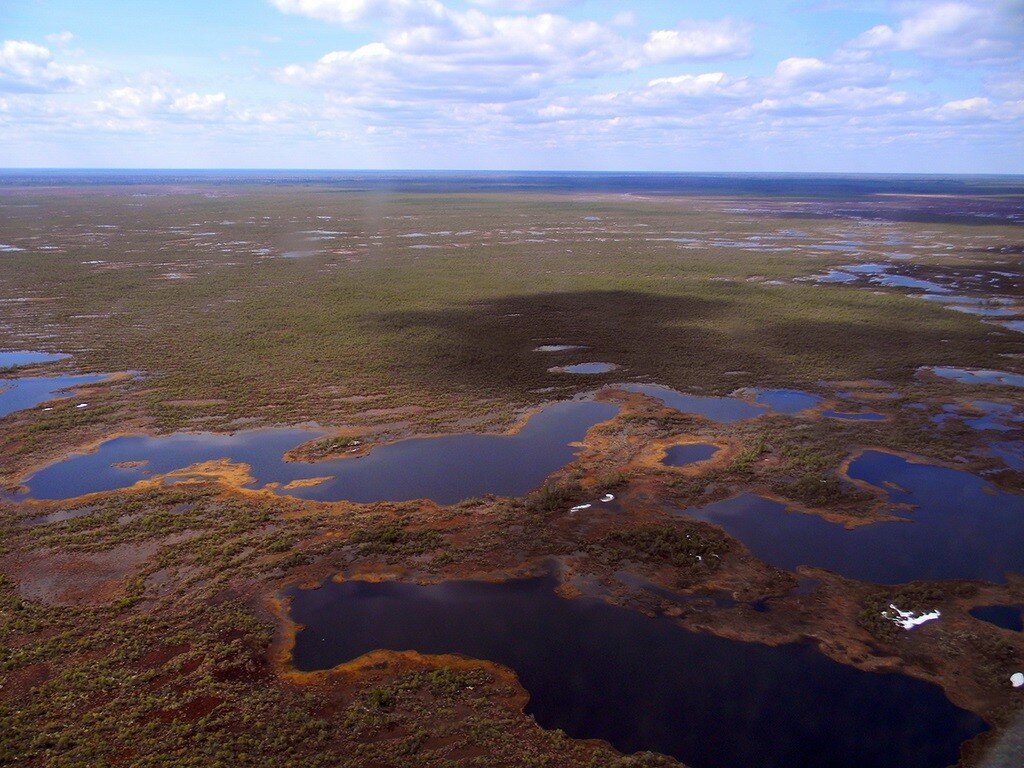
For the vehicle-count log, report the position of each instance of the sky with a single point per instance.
(872, 86)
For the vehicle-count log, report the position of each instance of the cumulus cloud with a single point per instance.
(695, 40)
(980, 29)
(528, 6)
(30, 68)
(437, 74)
(358, 11)
(815, 74)
(475, 56)
(462, 56)
(978, 109)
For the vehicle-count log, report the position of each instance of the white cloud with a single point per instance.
(981, 29)
(27, 67)
(979, 109)
(811, 73)
(696, 40)
(528, 6)
(474, 57)
(60, 38)
(847, 100)
(358, 11)
(492, 74)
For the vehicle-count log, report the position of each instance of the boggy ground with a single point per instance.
(161, 607)
(145, 627)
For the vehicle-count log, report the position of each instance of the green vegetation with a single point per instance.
(367, 323)
(686, 545)
(137, 631)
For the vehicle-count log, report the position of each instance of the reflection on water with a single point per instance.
(585, 368)
(445, 469)
(961, 528)
(977, 376)
(15, 358)
(1003, 616)
(787, 401)
(601, 671)
(30, 391)
(724, 410)
(691, 453)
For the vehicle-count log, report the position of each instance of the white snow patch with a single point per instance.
(1017, 679)
(908, 619)
(608, 497)
(581, 507)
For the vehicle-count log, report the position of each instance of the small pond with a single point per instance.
(557, 347)
(691, 453)
(585, 369)
(600, 671)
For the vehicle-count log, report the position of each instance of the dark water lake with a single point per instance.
(30, 391)
(601, 671)
(691, 453)
(1009, 617)
(445, 469)
(961, 528)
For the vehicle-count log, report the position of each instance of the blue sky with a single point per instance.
(775, 85)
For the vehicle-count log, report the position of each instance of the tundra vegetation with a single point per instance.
(145, 627)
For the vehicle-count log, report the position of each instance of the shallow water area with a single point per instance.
(977, 376)
(30, 391)
(837, 276)
(691, 453)
(557, 347)
(850, 416)
(724, 410)
(786, 401)
(983, 311)
(1011, 452)
(15, 358)
(585, 369)
(872, 268)
(960, 528)
(902, 281)
(596, 670)
(445, 469)
(995, 417)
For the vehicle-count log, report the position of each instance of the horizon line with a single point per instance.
(297, 169)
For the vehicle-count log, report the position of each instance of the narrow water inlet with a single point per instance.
(960, 527)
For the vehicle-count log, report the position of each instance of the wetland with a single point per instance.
(478, 469)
